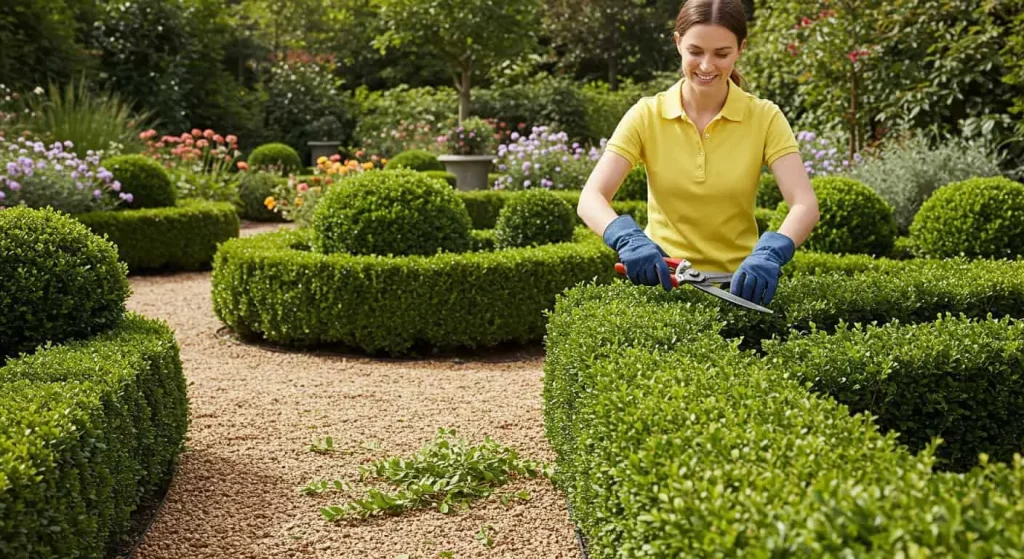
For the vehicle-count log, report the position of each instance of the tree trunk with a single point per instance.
(464, 95)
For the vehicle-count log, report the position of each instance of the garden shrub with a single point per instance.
(854, 219)
(483, 240)
(634, 186)
(276, 157)
(184, 237)
(253, 190)
(763, 217)
(60, 281)
(399, 213)
(485, 205)
(534, 217)
(977, 218)
(768, 194)
(447, 177)
(718, 438)
(148, 182)
(87, 429)
(955, 378)
(908, 172)
(273, 286)
(415, 159)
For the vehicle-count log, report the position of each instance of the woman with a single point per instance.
(703, 142)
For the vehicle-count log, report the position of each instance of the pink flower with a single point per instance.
(336, 157)
(231, 139)
(197, 132)
(302, 187)
(218, 138)
(242, 166)
(202, 143)
(208, 134)
(147, 134)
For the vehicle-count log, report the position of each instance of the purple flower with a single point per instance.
(97, 193)
(2, 195)
(115, 186)
(14, 186)
(526, 183)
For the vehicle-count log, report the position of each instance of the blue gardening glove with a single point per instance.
(758, 276)
(642, 257)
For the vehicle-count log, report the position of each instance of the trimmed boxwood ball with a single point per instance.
(443, 175)
(854, 219)
(415, 159)
(534, 217)
(275, 156)
(142, 177)
(634, 186)
(398, 213)
(60, 281)
(978, 218)
(254, 189)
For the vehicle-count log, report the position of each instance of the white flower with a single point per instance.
(38, 90)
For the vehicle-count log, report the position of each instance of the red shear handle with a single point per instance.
(620, 268)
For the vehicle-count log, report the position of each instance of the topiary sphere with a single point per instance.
(253, 190)
(415, 159)
(143, 178)
(534, 217)
(275, 157)
(634, 186)
(768, 194)
(443, 175)
(978, 218)
(399, 212)
(854, 219)
(60, 280)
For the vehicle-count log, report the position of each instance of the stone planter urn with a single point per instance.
(318, 149)
(470, 170)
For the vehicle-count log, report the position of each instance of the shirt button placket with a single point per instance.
(701, 159)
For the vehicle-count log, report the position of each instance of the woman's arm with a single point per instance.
(594, 207)
(796, 190)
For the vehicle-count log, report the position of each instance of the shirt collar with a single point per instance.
(672, 103)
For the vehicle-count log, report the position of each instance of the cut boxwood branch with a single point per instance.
(447, 474)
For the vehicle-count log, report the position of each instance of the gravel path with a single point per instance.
(255, 412)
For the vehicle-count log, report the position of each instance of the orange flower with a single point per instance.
(269, 202)
(368, 165)
(242, 166)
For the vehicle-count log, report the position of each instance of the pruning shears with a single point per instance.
(684, 273)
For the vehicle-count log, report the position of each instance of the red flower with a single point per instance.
(792, 49)
(805, 21)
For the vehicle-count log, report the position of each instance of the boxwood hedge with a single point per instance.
(485, 205)
(184, 237)
(86, 430)
(672, 441)
(273, 286)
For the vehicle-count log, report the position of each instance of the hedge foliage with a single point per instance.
(144, 178)
(854, 219)
(86, 430)
(415, 159)
(534, 217)
(60, 281)
(979, 218)
(485, 205)
(399, 212)
(955, 378)
(634, 186)
(184, 237)
(276, 157)
(443, 175)
(674, 442)
(273, 286)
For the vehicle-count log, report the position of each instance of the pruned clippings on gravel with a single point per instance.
(256, 414)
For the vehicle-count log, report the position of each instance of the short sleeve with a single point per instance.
(779, 139)
(627, 140)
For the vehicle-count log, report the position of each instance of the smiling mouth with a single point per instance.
(705, 78)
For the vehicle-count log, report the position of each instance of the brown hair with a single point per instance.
(727, 13)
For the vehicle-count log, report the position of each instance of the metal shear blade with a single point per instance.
(686, 275)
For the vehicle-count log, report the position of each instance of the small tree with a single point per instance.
(468, 34)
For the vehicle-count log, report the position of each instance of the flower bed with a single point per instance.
(87, 429)
(184, 237)
(673, 441)
(274, 287)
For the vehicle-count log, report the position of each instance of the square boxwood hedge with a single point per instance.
(672, 441)
(184, 237)
(274, 287)
(86, 430)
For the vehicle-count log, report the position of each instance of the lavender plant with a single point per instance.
(822, 156)
(36, 175)
(545, 159)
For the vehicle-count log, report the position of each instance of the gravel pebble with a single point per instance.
(255, 412)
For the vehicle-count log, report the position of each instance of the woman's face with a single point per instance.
(709, 53)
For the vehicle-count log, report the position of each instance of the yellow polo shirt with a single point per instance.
(702, 189)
